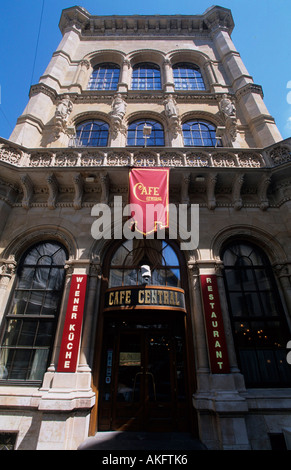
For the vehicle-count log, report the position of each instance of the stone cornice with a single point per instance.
(80, 177)
(249, 88)
(94, 96)
(43, 88)
(87, 25)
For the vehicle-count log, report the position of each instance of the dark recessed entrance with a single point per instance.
(144, 373)
(143, 382)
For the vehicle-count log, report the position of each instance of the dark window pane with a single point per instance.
(29, 334)
(262, 333)
(12, 332)
(18, 363)
(45, 333)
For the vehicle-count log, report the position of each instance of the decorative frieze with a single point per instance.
(276, 155)
(280, 155)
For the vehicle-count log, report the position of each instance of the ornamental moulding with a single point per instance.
(182, 156)
(273, 156)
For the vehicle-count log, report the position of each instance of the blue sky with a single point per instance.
(262, 35)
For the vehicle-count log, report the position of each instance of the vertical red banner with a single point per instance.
(73, 324)
(214, 325)
(149, 189)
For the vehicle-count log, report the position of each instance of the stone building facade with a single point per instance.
(72, 148)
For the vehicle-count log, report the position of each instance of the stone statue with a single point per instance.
(63, 110)
(227, 106)
(117, 113)
(118, 107)
(170, 107)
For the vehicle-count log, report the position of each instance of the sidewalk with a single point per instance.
(118, 440)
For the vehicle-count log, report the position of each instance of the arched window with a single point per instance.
(92, 134)
(198, 133)
(259, 325)
(136, 136)
(187, 77)
(146, 76)
(104, 77)
(132, 254)
(31, 320)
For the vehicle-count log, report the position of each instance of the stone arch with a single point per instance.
(87, 116)
(148, 55)
(24, 240)
(267, 242)
(105, 55)
(148, 114)
(205, 115)
(196, 58)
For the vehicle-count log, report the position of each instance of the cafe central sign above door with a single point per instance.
(141, 297)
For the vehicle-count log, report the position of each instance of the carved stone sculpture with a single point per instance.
(63, 110)
(117, 113)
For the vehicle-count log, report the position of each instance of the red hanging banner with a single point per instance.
(73, 325)
(149, 190)
(214, 325)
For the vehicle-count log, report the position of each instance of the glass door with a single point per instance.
(144, 378)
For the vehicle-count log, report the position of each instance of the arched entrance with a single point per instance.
(144, 368)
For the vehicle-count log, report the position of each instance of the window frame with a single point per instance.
(211, 139)
(182, 76)
(249, 339)
(20, 341)
(98, 82)
(160, 270)
(93, 134)
(146, 73)
(138, 138)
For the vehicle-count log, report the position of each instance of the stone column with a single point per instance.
(169, 86)
(81, 77)
(124, 84)
(62, 315)
(221, 409)
(7, 275)
(226, 319)
(90, 319)
(202, 361)
(283, 272)
(211, 78)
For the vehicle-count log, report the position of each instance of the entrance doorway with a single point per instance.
(144, 373)
(143, 382)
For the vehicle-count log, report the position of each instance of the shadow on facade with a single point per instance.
(30, 440)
